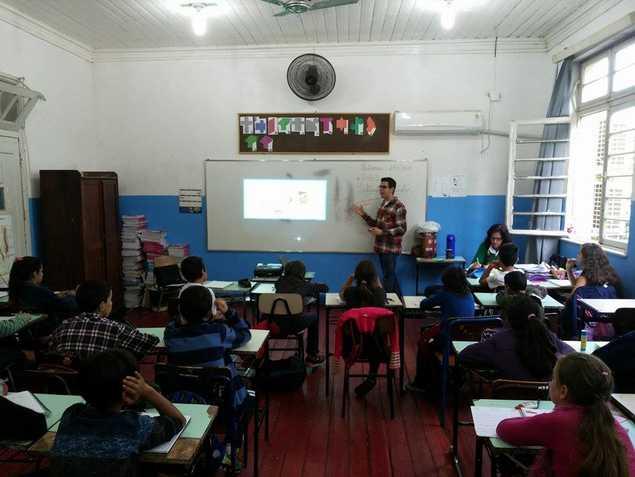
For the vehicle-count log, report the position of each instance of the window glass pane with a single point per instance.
(616, 231)
(595, 90)
(2, 206)
(595, 70)
(625, 57)
(617, 209)
(622, 142)
(620, 165)
(623, 119)
(619, 187)
(624, 79)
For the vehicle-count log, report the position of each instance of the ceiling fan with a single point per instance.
(302, 6)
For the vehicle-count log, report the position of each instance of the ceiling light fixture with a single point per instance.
(448, 9)
(198, 11)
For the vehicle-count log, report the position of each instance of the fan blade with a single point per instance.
(274, 2)
(283, 13)
(332, 3)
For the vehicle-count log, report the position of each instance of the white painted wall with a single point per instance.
(61, 130)
(158, 120)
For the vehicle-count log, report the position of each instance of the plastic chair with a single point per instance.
(282, 306)
(359, 348)
(168, 278)
(210, 385)
(516, 389)
(461, 329)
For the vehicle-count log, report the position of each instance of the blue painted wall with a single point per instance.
(466, 217)
(623, 265)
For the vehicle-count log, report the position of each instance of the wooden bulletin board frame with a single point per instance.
(367, 133)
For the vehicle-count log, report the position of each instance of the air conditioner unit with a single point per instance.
(439, 122)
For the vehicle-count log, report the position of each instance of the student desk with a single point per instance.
(488, 300)
(626, 403)
(591, 346)
(181, 456)
(251, 348)
(35, 318)
(498, 446)
(606, 308)
(551, 284)
(421, 262)
(332, 301)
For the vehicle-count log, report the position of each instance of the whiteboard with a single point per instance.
(348, 182)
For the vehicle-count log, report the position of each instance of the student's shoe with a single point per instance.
(412, 387)
(364, 388)
(314, 360)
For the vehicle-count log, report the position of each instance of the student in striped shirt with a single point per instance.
(202, 339)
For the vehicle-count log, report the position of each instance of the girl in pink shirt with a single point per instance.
(581, 438)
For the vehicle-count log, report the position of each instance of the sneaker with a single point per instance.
(314, 360)
(412, 387)
(364, 388)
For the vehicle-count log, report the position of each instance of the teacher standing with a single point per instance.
(388, 229)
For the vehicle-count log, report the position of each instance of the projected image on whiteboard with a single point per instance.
(288, 199)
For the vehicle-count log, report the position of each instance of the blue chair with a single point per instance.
(573, 314)
(463, 329)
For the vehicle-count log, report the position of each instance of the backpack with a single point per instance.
(281, 374)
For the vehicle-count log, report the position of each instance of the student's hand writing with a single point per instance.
(570, 264)
(358, 209)
(375, 231)
(134, 388)
(221, 305)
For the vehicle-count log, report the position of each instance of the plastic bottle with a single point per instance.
(583, 340)
(450, 246)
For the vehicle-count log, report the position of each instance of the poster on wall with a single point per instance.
(314, 133)
(7, 249)
(190, 201)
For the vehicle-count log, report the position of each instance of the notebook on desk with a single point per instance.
(166, 447)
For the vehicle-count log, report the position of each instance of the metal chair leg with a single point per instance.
(345, 392)
(391, 397)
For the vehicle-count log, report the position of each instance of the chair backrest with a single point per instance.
(356, 344)
(280, 304)
(52, 379)
(191, 384)
(167, 275)
(512, 389)
(471, 329)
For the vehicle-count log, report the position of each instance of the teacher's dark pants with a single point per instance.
(388, 262)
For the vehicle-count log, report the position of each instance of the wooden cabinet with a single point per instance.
(79, 229)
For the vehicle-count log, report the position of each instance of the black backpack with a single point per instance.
(281, 374)
(20, 423)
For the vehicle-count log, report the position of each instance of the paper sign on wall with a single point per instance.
(7, 247)
(448, 186)
(190, 201)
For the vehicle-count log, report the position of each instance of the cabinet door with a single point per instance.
(93, 230)
(112, 240)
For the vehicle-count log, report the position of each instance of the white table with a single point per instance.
(627, 402)
(252, 347)
(488, 300)
(551, 284)
(591, 346)
(607, 307)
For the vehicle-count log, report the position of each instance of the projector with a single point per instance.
(267, 270)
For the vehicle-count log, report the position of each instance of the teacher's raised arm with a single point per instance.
(388, 229)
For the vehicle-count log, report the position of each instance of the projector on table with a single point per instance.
(268, 270)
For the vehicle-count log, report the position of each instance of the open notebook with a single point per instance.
(28, 400)
(167, 446)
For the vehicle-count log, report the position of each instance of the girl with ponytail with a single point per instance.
(363, 287)
(581, 438)
(525, 349)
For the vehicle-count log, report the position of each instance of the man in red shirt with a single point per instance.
(388, 229)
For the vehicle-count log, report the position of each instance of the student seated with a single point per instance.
(100, 437)
(363, 289)
(516, 285)
(619, 354)
(293, 282)
(494, 275)
(27, 292)
(202, 340)
(598, 279)
(194, 271)
(524, 350)
(580, 437)
(92, 331)
(488, 250)
(455, 301)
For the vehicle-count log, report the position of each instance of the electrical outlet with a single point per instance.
(494, 96)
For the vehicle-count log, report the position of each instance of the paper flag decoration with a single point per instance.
(252, 143)
(272, 126)
(297, 126)
(327, 125)
(357, 126)
(313, 126)
(267, 143)
(371, 127)
(260, 125)
(342, 125)
(284, 126)
(247, 124)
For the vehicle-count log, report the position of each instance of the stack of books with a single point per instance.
(153, 243)
(179, 251)
(132, 258)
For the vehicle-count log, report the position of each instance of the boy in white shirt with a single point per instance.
(494, 275)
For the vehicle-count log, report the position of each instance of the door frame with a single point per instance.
(25, 182)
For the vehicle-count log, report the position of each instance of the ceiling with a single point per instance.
(114, 24)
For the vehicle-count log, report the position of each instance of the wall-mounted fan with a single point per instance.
(311, 77)
(302, 6)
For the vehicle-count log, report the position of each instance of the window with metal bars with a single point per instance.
(603, 148)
